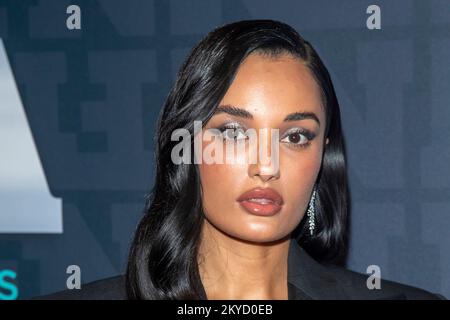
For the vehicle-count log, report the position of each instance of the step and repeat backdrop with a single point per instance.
(81, 86)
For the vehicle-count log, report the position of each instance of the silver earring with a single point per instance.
(312, 211)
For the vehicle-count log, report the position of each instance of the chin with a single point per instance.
(260, 234)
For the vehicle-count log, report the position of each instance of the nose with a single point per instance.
(267, 166)
(274, 175)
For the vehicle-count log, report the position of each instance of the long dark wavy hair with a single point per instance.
(163, 256)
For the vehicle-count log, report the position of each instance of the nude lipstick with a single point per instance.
(261, 201)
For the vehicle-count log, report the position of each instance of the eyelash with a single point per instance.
(229, 126)
(306, 133)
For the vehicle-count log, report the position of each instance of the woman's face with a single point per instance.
(271, 92)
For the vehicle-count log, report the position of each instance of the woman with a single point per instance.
(248, 230)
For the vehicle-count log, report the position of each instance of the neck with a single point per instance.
(232, 268)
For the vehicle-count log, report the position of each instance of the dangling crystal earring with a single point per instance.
(312, 211)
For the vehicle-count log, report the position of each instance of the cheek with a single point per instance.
(301, 170)
(299, 175)
(219, 183)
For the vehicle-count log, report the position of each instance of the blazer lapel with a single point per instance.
(310, 279)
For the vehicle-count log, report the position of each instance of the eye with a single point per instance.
(231, 135)
(232, 132)
(298, 138)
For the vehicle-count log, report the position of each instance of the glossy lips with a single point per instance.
(261, 201)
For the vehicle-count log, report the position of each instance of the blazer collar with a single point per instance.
(310, 278)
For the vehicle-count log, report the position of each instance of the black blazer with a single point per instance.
(307, 279)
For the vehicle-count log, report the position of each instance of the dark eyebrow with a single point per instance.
(234, 111)
(302, 115)
(238, 112)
